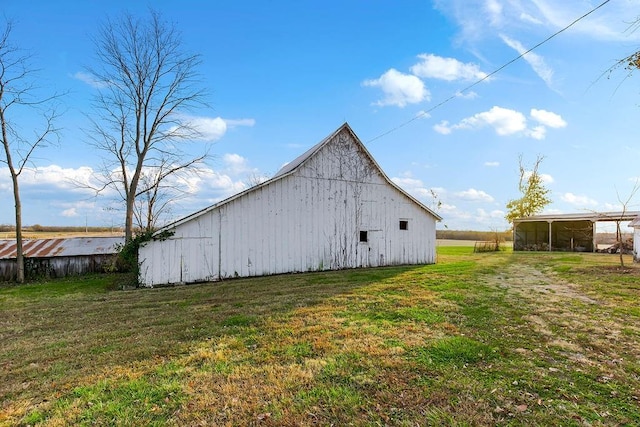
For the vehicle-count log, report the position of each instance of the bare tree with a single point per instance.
(146, 84)
(625, 206)
(18, 91)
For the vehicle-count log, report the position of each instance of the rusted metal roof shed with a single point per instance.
(58, 257)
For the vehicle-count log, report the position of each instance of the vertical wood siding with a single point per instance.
(307, 221)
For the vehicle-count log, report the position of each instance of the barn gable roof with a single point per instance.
(297, 163)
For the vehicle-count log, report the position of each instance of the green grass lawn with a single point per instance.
(477, 339)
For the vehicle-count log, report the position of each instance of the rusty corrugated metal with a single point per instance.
(49, 248)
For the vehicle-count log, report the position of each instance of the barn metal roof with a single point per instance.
(291, 167)
(48, 248)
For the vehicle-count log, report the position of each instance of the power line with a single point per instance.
(441, 103)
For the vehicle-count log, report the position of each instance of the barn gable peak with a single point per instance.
(298, 163)
(311, 152)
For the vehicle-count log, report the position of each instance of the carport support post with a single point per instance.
(593, 235)
(549, 235)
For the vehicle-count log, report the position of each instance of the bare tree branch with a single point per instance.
(625, 205)
(146, 84)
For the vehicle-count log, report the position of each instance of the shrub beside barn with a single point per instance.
(331, 208)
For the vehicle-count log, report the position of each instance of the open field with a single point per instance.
(6, 235)
(477, 339)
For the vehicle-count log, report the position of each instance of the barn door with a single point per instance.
(376, 246)
(371, 249)
(369, 252)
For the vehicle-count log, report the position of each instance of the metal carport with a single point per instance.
(563, 232)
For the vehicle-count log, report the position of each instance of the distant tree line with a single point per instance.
(505, 236)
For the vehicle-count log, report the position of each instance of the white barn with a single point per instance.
(331, 208)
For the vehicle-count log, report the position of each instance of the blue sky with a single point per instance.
(282, 75)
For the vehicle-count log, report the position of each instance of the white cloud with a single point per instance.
(71, 212)
(537, 132)
(51, 175)
(447, 209)
(492, 164)
(236, 165)
(429, 196)
(211, 129)
(208, 128)
(483, 215)
(210, 184)
(545, 177)
(474, 195)
(407, 182)
(89, 79)
(468, 95)
(450, 69)
(579, 201)
(525, 17)
(503, 120)
(477, 18)
(399, 89)
(494, 8)
(608, 24)
(51, 193)
(443, 127)
(413, 186)
(536, 61)
(235, 161)
(422, 114)
(548, 118)
(506, 122)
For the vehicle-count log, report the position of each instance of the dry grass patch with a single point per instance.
(478, 339)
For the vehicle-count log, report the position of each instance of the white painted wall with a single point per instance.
(308, 220)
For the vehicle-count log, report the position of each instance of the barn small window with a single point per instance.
(364, 236)
(404, 224)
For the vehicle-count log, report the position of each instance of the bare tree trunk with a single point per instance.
(620, 243)
(128, 221)
(625, 203)
(19, 253)
(16, 198)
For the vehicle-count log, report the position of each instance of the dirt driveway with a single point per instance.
(577, 322)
